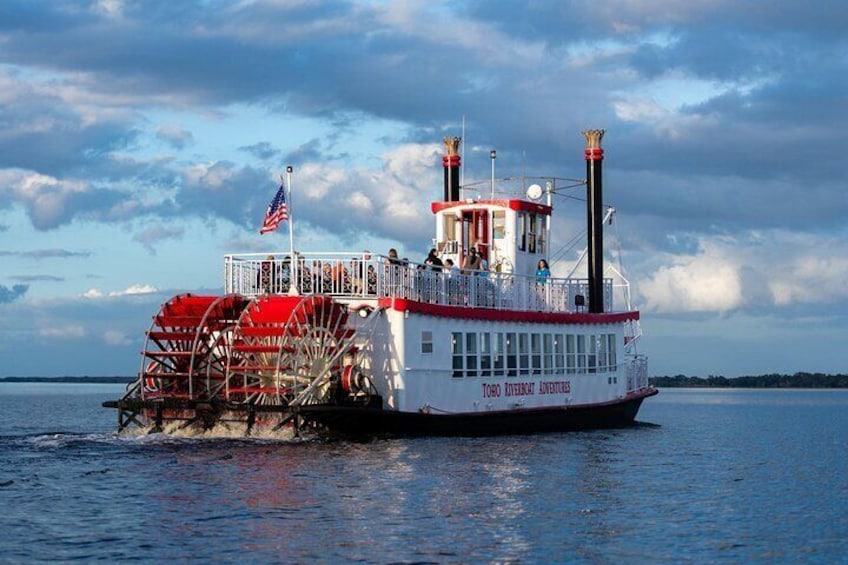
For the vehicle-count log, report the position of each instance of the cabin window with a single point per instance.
(592, 354)
(456, 348)
(603, 356)
(499, 224)
(581, 353)
(449, 242)
(485, 354)
(532, 229)
(559, 355)
(426, 342)
(571, 354)
(536, 353)
(611, 357)
(511, 358)
(471, 354)
(498, 354)
(548, 352)
(523, 354)
(522, 231)
(450, 227)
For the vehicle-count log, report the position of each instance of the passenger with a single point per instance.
(286, 273)
(472, 262)
(451, 268)
(484, 265)
(542, 271)
(433, 261)
(392, 283)
(372, 280)
(340, 278)
(453, 282)
(359, 271)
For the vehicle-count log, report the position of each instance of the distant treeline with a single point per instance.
(798, 380)
(66, 379)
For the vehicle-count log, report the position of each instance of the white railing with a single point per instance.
(370, 276)
(637, 373)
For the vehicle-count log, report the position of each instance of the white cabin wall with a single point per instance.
(429, 384)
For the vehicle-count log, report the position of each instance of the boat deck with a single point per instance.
(367, 276)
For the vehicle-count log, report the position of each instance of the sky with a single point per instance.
(142, 141)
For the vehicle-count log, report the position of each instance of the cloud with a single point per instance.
(175, 136)
(46, 254)
(113, 337)
(37, 278)
(262, 150)
(8, 294)
(151, 235)
(133, 290)
(51, 202)
(64, 332)
(753, 272)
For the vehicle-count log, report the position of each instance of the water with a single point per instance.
(712, 476)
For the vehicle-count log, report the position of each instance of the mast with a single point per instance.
(595, 217)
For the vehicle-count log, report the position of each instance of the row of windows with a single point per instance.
(512, 354)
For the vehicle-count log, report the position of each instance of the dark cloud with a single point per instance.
(8, 294)
(262, 150)
(46, 254)
(174, 136)
(37, 278)
(154, 234)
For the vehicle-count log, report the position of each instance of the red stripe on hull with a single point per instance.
(471, 313)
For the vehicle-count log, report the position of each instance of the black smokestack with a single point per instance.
(451, 164)
(595, 217)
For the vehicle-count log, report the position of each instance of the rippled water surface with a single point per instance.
(708, 476)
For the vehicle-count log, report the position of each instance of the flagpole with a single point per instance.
(294, 261)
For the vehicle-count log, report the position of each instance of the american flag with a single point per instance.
(277, 212)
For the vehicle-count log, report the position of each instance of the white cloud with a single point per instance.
(63, 332)
(113, 337)
(132, 290)
(774, 269)
(698, 283)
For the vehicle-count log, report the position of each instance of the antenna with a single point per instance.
(461, 164)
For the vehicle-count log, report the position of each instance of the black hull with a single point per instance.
(364, 421)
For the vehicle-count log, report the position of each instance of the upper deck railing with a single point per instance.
(361, 275)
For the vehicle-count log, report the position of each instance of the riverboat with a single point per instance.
(359, 343)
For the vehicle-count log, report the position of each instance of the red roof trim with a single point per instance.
(471, 313)
(514, 204)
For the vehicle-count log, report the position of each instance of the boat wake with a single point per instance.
(144, 437)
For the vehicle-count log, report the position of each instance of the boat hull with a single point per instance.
(364, 421)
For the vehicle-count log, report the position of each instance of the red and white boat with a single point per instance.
(359, 343)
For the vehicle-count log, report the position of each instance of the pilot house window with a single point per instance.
(499, 224)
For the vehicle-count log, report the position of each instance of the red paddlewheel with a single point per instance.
(284, 347)
(183, 355)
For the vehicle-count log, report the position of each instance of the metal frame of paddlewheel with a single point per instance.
(238, 362)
